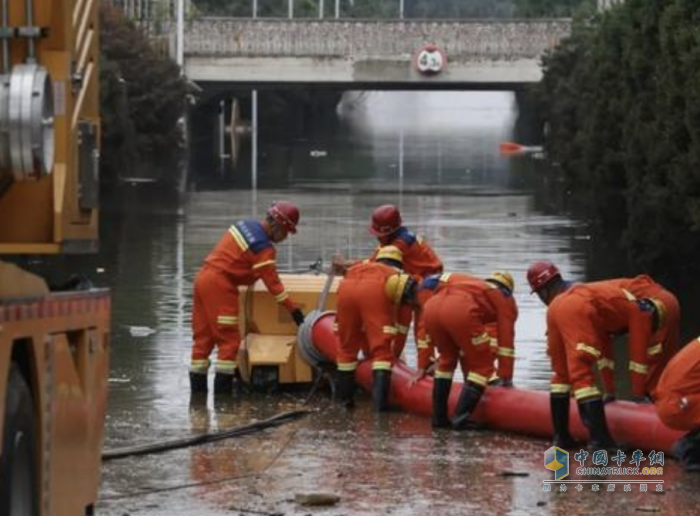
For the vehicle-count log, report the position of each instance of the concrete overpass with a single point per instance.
(368, 54)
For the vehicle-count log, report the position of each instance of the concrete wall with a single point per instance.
(343, 38)
(486, 53)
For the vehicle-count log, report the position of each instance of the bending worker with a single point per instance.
(678, 402)
(367, 301)
(580, 318)
(245, 253)
(457, 309)
(419, 260)
(664, 342)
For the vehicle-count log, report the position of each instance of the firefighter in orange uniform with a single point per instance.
(580, 320)
(678, 402)
(419, 260)
(245, 254)
(457, 309)
(664, 342)
(367, 300)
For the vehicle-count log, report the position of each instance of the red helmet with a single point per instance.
(385, 220)
(286, 214)
(541, 273)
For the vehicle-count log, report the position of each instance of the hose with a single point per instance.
(148, 449)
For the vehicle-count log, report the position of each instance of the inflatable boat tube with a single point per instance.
(520, 411)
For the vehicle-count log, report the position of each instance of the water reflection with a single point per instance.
(436, 156)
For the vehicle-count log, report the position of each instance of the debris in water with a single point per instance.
(316, 499)
(541, 503)
(140, 331)
(513, 474)
(648, 509)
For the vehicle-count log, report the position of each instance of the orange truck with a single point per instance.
(54, 346)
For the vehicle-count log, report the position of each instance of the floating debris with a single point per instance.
(140, 331)
(314, 499)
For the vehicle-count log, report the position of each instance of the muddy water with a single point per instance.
(436, 157)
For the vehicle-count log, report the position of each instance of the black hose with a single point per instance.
(147, 449)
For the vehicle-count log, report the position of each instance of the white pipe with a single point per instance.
(291, 9)
(320, 9)
(255, 9)
(254, 128)
(401, 10)
(337, 9)
(180, 38)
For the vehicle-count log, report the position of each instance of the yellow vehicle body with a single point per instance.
(271, 334)
(53, 346)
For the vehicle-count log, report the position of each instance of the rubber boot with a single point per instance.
(223, 383)
(593, 416)
(441, 393)
(687, 451)
(559, 405)
(381, 385)
(198, 383)
(468, 399)
(346, 388)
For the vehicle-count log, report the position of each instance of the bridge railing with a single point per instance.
(493, 40)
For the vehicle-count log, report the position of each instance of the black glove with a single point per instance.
(298, 316)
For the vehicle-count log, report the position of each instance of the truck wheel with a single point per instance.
(18, 478)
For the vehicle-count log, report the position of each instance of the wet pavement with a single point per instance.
(478, 211)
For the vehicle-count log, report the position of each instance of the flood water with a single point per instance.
(434, 155)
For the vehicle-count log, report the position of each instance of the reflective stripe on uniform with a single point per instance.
(559, 388)
(199, 366)
(606, 363)
(586, 392)
(226, 366)
(389, 330)
(445, 375)
(638, 368)
(477, 378)
(347, 366)
(506, 352)
(422, 344)
(263, 264)
(282, 296)
(335, 327)
(238, 238)
(629, 295)
(654, 350)
(493, 343)
(480, 339)
(381, 366)
(445, 277)
(227, 320)
(402, 329)
(588, 349)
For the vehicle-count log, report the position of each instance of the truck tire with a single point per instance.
(19, 494)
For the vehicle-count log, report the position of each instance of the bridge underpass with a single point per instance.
(226, 55)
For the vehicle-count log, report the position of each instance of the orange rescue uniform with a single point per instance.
(365, 316)
(244, 255)
(678, 393)
(420, 261)
(664, 342)
(579, 324)
(457, 318)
